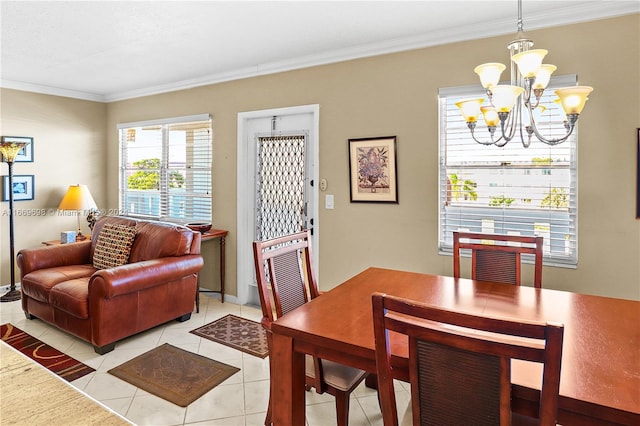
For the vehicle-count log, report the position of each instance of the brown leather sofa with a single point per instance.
(61, 286)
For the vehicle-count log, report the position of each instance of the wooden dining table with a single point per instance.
(600, 379)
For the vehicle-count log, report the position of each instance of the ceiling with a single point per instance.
(113, 50)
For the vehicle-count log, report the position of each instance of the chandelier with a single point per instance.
(510, 105)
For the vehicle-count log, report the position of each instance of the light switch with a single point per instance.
(328, 201)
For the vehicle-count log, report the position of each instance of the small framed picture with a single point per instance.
(23, 187)
(373, 171)
(26, 154)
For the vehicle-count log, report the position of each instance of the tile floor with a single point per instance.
(239, 401)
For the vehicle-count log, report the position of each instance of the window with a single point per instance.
(165, 169)
(509, 190)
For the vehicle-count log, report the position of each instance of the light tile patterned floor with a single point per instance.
(240, 401)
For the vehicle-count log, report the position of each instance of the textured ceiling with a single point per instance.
(110, 50)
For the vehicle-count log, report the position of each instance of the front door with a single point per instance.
(277, 190)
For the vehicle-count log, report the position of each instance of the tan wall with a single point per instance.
(396, 94)
(69, 148)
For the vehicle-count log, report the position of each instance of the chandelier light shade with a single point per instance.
(9, 151)
(78, 198)
(490, 74)
(574, 98)
(515, 107)
(470, 109)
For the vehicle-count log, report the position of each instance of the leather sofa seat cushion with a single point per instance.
(38, 284)
(72, 297)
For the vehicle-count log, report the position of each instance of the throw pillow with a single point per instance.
(113, 246)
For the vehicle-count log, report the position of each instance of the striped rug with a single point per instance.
(63, 365)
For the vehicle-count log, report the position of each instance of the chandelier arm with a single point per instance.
(555, 141)
(481, 142)
(509, 129)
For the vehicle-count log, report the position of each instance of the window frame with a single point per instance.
(445, 245)
(192, 196)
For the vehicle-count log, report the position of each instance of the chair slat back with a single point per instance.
(438, 366)
(497, 266)
(284, 274)
(496, 257)
(287, 282)
(459, 363)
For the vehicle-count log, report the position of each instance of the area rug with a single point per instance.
(63, 365)
(239, 333)
(174, 374)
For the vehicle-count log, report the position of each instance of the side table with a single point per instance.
(210, 235)
(57, 242)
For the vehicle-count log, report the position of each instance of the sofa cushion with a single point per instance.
(72, 297)
(113, 246)
(38, 284)
(160, 239)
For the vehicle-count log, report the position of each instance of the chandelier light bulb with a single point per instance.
(489, 73)
(529, 62)
(470, 109)
(504, 97)
(573, 98)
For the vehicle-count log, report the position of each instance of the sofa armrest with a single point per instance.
(132, 277)
(51, 256)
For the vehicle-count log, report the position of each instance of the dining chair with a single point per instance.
(286, 280)
(496, 257)
(460, 363)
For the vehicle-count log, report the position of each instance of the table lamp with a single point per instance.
(78, 198)
(9, 151)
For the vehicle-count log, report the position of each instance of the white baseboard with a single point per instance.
(4, 288)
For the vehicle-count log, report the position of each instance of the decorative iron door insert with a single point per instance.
(280, 186)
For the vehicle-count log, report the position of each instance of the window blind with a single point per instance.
(509, 190)
(165, 169)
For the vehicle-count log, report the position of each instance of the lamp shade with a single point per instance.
(470, 109)
(504, 97)
(543, 76)
(10, 150)
(573, 98)
(489, 73)
(77, 197)
(490, 115)
(529, 62)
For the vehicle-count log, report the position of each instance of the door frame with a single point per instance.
(246, 188)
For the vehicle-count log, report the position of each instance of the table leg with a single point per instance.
(288, 390)
(222, 264)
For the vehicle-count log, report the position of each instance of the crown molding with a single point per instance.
(48, 90)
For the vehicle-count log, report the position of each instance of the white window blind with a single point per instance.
(509, 190)
(165, 169)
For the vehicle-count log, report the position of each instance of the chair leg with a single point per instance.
(342, 408)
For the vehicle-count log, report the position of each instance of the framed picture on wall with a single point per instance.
(373, 173)
(23, 187)
(26, 154)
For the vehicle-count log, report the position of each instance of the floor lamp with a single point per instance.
(9, 151)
